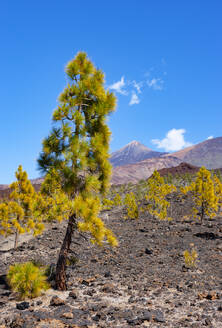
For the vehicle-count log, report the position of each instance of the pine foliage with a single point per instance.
(131, 206)
(190, 258)
(218, 190)
(75, 155)
(27, 280)
(21, 214)
(156, 196)
(117, 200)
(204, 195)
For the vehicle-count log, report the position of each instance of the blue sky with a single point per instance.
(162, 58)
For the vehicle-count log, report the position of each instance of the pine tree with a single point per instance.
(75, 154)
(156, 196)
(107, 204)
(117, 200)
(131, 206)
(218, 190)
(204, 195)
(21, 213)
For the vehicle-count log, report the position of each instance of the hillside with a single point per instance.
(132, 153)
(142, 170)
(207, 153)
(181, 169)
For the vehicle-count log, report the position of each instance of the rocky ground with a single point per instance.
(142, 283)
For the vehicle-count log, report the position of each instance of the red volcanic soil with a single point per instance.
(181, 169)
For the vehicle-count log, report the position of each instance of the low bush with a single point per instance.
(27, 280)
(190, 258)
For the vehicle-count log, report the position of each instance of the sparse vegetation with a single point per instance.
(27, 279)
(204, 195)
(190, 257)
(131, 206)
(156, 196)
(21, 214)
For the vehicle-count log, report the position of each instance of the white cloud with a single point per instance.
(153, 80)
(155, 83)
(134, 99)
(210, 137)
(137, 85)
(173, 141)
(118, 87)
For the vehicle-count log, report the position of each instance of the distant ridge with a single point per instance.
(132, 153)
(207, 153)
(135, 161)
(142, 170)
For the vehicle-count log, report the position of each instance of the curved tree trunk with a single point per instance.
(63, 254)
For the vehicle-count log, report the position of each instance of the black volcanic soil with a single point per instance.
(142, 283)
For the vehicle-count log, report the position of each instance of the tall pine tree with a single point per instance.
(76, 153)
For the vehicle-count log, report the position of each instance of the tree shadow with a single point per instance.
(207, 235)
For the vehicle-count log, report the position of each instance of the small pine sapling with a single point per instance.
(21, 213)
(131, 206)
(156, 196)
(27, 280)
(107, 204)
(190, 257)
(117, 200)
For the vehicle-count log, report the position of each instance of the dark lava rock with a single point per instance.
(96, 317)
(22, 305)
(148, 251)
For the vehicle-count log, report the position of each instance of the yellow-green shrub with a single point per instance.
(131, 206)
(107, 204)
(205, 192)
(27, 280)
(156, 196)
(117, 200)
(190, 258)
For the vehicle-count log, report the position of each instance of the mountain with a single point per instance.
(207, 153)
(132, 153)
(142, 170)
(3, 187)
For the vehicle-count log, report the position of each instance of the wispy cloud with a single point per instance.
(210, 137)
(173, 141)
(134, 99)
(137, 85)
(155, 83)
(152, 80)
(118, 87)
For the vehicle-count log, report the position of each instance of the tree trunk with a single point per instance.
(16, 239)
(202, 214)
(63, 254)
